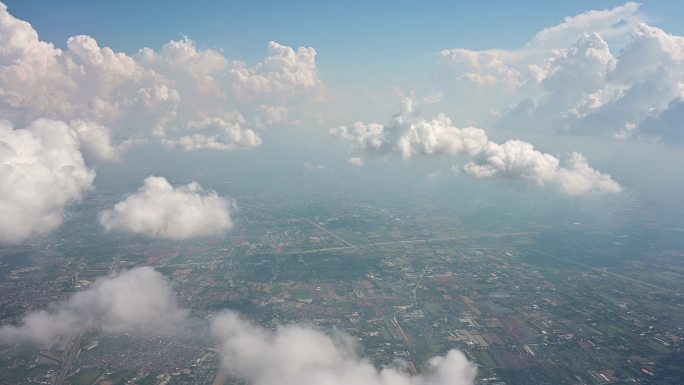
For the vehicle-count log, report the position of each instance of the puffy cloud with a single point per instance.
(161, 210)
(138, 301)
(436, 136)
(97, 140)
(514, 158)
(513, 68)
(164, 94)
(613, 92)
(364, 136)
(669, 124)
(270, 115)
(577, 177)
(578, 71)
(283, 70)
(641, 89)
(587, 74)
(518, 159)
(297, 355)
(481, 68)
(41, 172)
(355, 161)
(409, 134)
(224, 132)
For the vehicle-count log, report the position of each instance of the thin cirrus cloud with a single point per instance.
(181, 95)
(41, 173)
(409, 134)
(586, 75)
(138, 301)
(160, 210)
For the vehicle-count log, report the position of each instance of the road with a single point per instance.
(71, 350)
(616, 275)
(333, 234)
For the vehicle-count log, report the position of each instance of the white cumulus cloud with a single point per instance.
(180, 95)
(161, 210)
(597, 73)
(409, 134)
(41, 172)
(518, 159)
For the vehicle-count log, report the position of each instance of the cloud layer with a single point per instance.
(41, 172)
(297, 355)
(138, 301)
(160, 210)
(181, 95)
(409, 134)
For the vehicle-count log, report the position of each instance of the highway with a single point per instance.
(333, 234)
(71, 350)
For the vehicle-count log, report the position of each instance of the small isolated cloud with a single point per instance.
(518, 159)
(298, 355)
(409, 134)
(312, 166)
(41, 172)
(138, 301)
(355, 161)
(160, 210)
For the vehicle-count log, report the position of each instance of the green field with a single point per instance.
(486, 359)
(86, 376)
(658, 347)
(299, 293)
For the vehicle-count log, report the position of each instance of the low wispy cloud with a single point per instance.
(137, 301)
(141, 301)
(180, 95)
(299, 355)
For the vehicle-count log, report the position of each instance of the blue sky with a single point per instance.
(361, 42)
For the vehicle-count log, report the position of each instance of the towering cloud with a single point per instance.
(41, 172)
(161, 210)
(602, 72)
(296, 355)
(138, 301)
(180, 95)
(410, 134)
